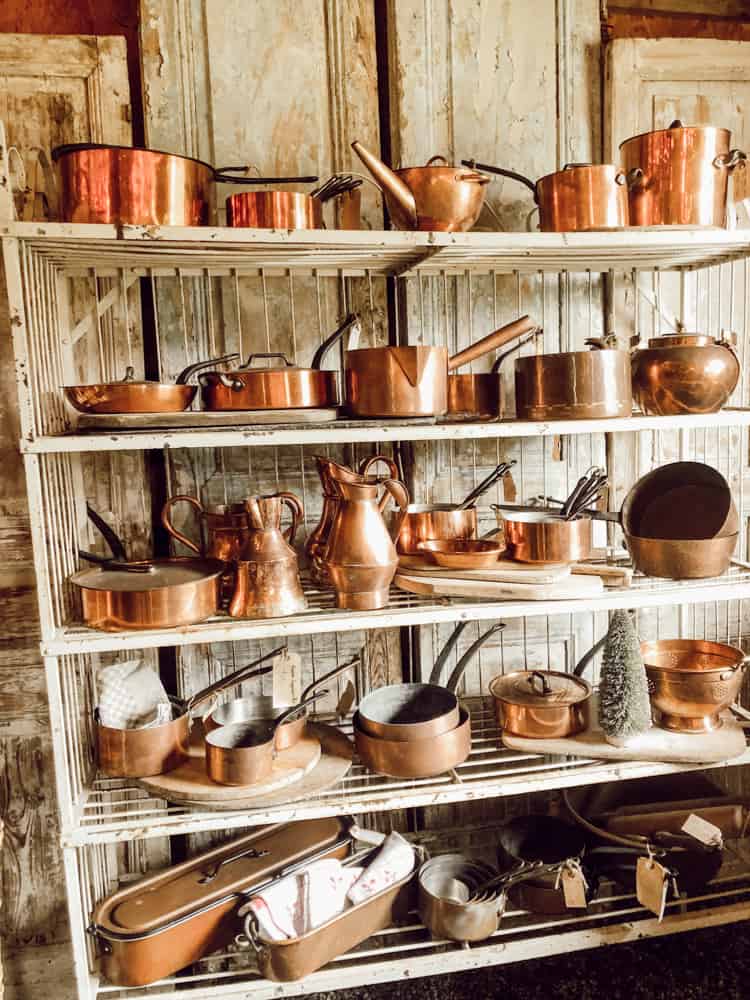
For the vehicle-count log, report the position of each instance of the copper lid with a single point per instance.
(156, 574)
(540, 688)
(683, 340)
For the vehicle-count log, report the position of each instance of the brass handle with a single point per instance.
(621, 178)
(366, 464)
(170, 528)
(433, 159)
(396, 489)
(538, 675)
(266, 356)
(634, 177)
(493, 341)
(730, 160)
(213, 871)
(298, 512)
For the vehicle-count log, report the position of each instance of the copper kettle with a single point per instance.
(268, 583)
(433, 197)
(361, 556)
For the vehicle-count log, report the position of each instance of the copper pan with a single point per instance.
(579, 198)
(413, 712)
(274, 210)
(140, 753)
(424, 758)
(679, 559)
(478, 396)
(685, 373)
(260, 708)
(526, 840)
(283, 386)
(544, 537)
(412, 381)
(131, 395)
(678, 176)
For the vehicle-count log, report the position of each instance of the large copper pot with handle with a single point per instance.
(678, 176)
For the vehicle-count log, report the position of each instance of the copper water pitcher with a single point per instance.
(268, 583)
(361, 555)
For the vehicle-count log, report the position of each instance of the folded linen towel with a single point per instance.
(132, 696)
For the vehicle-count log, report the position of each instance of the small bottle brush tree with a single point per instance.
(624, 707)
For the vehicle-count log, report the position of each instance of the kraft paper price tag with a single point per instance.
(652, 885)
(346, 700)
(574, 887)
(707, 833)
(287, 679)
(355, 331)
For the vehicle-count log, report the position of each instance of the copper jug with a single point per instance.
(361, 554)
(317, 542)
(268, 583)
(223, 528)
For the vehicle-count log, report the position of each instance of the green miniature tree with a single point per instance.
(624, 707)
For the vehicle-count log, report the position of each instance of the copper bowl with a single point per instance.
(688, 373)
(462, 553)
(691, 681)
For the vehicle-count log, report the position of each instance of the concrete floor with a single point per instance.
(698, 966)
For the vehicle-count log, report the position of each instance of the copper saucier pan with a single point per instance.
(281, 387)
(141, 753)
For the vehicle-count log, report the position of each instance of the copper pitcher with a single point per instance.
(361, 554)
(223, 528)
(317, 542)
(268, 583)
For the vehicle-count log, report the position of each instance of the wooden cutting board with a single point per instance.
(509, 571)
(190, 783)
(654, 745)
(452, 586)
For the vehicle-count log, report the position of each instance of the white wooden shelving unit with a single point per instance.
(42, 265)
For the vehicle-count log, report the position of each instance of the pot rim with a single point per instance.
(398, 347)
(735, 663)
(571, 354)
(678, 128)
(574, 167)
(294, 195)
(71, 148)
(213, 569)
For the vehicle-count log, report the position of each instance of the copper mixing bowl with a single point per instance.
(692, 681)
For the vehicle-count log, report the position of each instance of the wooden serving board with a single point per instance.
(202, 418)
(334, 764)
(190, 783)
(453, 586)
(654, 745)
(509, 571)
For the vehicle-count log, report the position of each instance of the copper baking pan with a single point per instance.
(140, 753)
(280, 387)
(131, 395)
(151, 928)
(424, 758)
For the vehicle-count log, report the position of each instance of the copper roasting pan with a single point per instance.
(286, 961)
(162, 923)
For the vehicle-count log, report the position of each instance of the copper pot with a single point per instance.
(574, 385)
(223, 528)
(428, 521)
(685, 373)
(541, 704)
(679, 176)
(692, 681)
(281, 387)
(579, 198)
(422, 758)
(139, 753)
(542, 537)
(274, 210)
(538, 840)
(412, 381)
(131, 395)
(435, 198)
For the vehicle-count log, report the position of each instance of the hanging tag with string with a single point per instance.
(652, 881)
(574, 885)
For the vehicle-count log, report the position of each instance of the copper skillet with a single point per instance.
(415, 712)
(140, 753)
(260, 708)
(131, 395)
(282, 387)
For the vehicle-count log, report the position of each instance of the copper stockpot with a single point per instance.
(435, 198)
(412, 381)
(140, 753)
(542, 537)
(131, 395)
(579, 198)
(428, 521)
(679, 176)
(684, 373)
(574, 385)
(541, 704)
(692, 681)
(423, 758)
(282, 387)
(274, 210)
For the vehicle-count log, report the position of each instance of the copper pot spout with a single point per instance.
(401, 203)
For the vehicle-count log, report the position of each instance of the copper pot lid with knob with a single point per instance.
(540, 688)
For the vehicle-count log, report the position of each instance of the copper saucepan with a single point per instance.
(281, 387)
(131, 395)
(412, 381)
(130, 185)
(535, 536)
(679, 176)
(414, 712)
(243, 753)
(423, 758)
(260, 708)
(546, 841)
(579, 198)
(291, 209)
(140, 753)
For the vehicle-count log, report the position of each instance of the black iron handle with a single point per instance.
(502, 172)
(336, 336)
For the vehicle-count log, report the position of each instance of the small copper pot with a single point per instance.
(541, 537)
(274, 210)
(685, 373)
(428, 522)
(541, 704)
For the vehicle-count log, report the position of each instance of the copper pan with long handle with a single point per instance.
(413, 381)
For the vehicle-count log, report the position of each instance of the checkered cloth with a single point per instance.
(131, 696)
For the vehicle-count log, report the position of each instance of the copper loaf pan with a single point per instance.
(154, 927)
(285, 961)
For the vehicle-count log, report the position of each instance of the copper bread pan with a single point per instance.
(286, 961)
(158, 925)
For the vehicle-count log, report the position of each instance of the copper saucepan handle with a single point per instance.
(170, 528)
(460, 669)
(243, 673)
(340, 669)
(498, 338)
